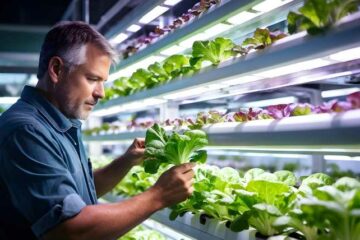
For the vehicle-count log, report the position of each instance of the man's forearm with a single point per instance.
(107, 177)
(107, 221)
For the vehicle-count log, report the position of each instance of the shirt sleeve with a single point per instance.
(36, 176)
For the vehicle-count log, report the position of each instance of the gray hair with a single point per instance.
(68, 40)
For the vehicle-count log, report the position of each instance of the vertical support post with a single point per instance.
(318, 163)
(86, 11)
(94, 148)
(169, 110)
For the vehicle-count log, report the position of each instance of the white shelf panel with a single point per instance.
(190, 225)
(312, 134)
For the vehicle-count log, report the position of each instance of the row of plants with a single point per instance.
(196, 11)
(279, 111)
(315, 207)
(214, 51)
(315, 16)
(142, 233)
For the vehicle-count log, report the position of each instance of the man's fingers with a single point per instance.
(189, 174)
(140, 142)
(183, 168)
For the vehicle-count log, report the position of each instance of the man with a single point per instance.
(47, 187)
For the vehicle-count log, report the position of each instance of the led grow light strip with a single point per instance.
(186, 44)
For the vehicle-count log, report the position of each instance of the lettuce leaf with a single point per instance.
(215, 51)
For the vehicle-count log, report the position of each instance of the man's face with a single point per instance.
(79, 90)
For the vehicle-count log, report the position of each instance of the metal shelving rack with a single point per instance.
(291, 50)
(335, 134)
(190, 225)
(311, 134)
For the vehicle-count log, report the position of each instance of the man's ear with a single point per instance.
(55, 68)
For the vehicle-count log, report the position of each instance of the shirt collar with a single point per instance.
(61, 123)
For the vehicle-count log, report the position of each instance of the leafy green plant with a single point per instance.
(271, 196)
(175, 64)
(317, 16)
(142, 233)
(203, 118)
(174, 149)
(261, 39)
(159, 72)
(329, 212)
(215, 51)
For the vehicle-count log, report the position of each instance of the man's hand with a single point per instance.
(174, 185)
(107, 177)
(135, 153)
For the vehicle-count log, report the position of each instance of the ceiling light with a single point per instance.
(292, 68)
(107, 111)
(173, 50)
(269, 102)
(322, 76)
(217, 29)
(128, 107)
(147, 61)
(172, 2)
(8, 100)
(133, 28)
(242, 17)
(241, 80)
(192, 92)
(339, 92)
(189, 42)
(284, 149)
(154, 13)
(268, 5)
(341, 158)
(129, 70)
(118, 39)
(125, 72)
(347, 55)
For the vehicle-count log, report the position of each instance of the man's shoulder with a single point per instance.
(19, 113)
(16, 118)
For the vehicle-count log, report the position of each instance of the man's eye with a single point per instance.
(92, 79)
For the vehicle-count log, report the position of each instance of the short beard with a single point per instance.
(65, 105)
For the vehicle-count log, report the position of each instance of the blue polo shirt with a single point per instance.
(45, 175)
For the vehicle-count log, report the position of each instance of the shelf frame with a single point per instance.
(293, 49)
(318, 134)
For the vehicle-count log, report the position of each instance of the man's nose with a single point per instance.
(99, 91)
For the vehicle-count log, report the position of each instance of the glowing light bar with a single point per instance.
(292, 68)
(154, 13)
(133, 106)
(133, 28)
(8, 100)
(339, 92)
(341, 158)
(172, 2)
(268, 5)
(279, 149)
(268, 102)
(346, 55)
(241, 80)
(189, 42)
(173, 50)
(186, 93)
(126, 72)
(242, 17)
(217, 29)
(118, 39)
